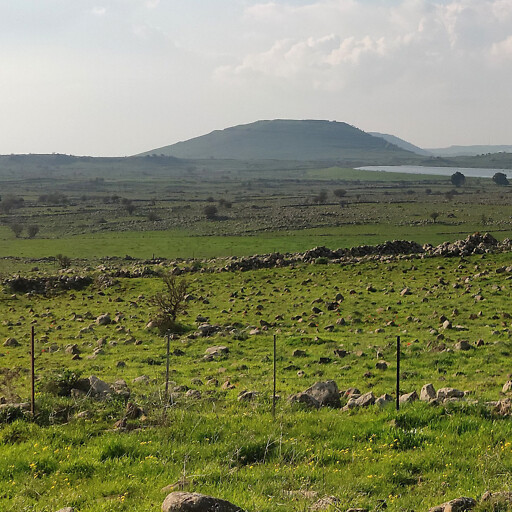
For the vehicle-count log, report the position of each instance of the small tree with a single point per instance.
(321, 197)
(339, 192)
(63, 261)
(32, 230)
(169, 303)
(17, 229)
(130, 207)
(224, 203)
(210, 211)
(10, 202)
(500, 179)
(458, 179)
(434, 216)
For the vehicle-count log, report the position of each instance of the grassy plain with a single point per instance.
(157, 208)
(411, 460)
(366, 458)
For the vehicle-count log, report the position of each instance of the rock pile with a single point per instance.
(473, 244)
(327, 394)
(48, 284)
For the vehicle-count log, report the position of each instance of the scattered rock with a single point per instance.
(427, 393)
(216, 351)
(499, 500)
(305, 400)
(409, 397)
(195, 502)
(384, 400)
(326, 393)
(463, 345)
(456, 505)
(381, 365)
(206, 330)
(507, 386)
(133, 411)
(247, 396)
(104, 319)
(11, 342)
(444, 393)
(143, 379)
(503, 407)
(98, 388)
(360, 401)
(325, 503)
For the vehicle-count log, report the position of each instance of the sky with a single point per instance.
(119, 77)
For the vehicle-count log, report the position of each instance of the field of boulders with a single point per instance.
(109, 433)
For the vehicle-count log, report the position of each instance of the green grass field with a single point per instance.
(180, 244)
(71, 454)
(366, 458)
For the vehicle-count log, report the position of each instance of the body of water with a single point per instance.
(440, 171)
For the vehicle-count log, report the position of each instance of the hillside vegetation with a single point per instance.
(289, 140)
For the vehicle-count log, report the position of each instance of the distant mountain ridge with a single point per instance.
(285, 139)
(470, 150)
(397, 141)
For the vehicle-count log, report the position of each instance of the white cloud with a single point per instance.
(428, 70)
(503, 49)
(99, 11)
(411, 31)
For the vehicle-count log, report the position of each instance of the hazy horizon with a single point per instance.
(115, 78)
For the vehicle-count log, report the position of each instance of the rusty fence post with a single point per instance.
(398, 373)
(32, 373)
(274, 391)
(167, 369)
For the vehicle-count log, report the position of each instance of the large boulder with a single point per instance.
(360, 401)
(409, 398)
(444, 393)
(501, 500)
(195, 502)
(304, 399)
(384, 400)
(98, 388)
(457, 505)
(326, 393)
(427, 393)
(216, 351)
(104, 319)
